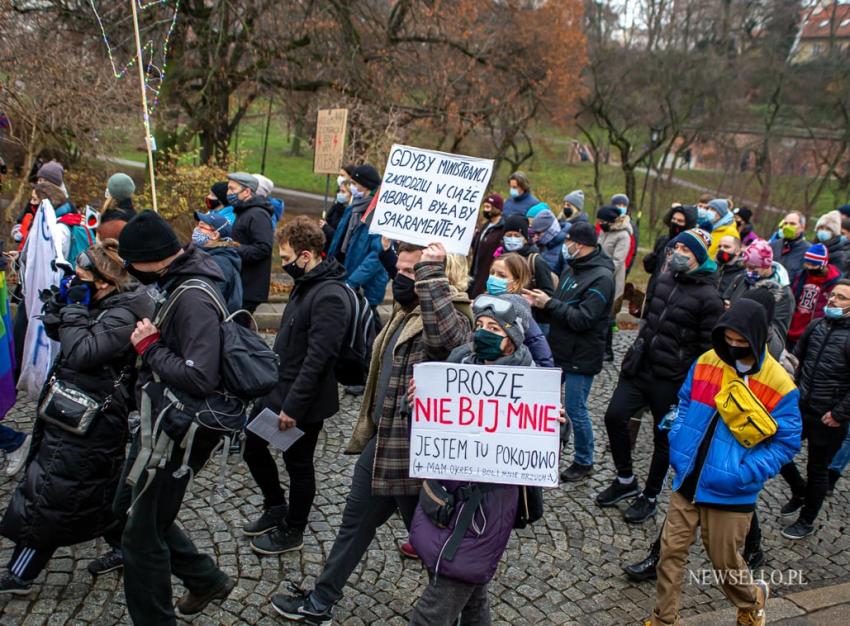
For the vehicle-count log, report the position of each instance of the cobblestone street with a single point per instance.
(563, 570)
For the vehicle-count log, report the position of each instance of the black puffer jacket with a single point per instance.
(253, 230)
(579, 312)
(678, 322)
(839, 253)
(65, 496)
(824, 373)
(313, 327)
(729, 273)
(653, 263)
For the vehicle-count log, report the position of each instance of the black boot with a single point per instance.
(644, 570)
(271, 518)
(609, 345)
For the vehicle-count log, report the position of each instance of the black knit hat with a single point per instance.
(367, 176)
(607, 213)
(219, 190)
(583, 233)
(147, 238)
(518, 223)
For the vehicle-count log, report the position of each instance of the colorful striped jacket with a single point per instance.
(732, 474)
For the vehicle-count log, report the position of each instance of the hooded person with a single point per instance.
(722, 219)
(547, 235)
(811, 290)
(743, 217)
(212, 235)
(485, 242)
(717, 479)
(828, 232)
(254, 232)
(458, 587)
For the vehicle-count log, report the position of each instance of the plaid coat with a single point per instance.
(431, 331)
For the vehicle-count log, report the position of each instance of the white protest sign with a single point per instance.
(428, 196)
(486, 424)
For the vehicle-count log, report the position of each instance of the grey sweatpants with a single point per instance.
(446, 599)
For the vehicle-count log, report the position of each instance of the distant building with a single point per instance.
(824, 27)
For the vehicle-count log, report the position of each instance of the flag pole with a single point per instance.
(148, 138)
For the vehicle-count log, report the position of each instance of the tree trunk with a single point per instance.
(298, 131)
(631, 183)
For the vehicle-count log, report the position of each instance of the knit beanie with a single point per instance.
(147, 238)
(367, 176)
(576, 198)
(583, 233)
(607, 213)
(542, 221)
(695, 240)
(52, 172)
(509, 321)
(517, 223)
(264, 185)
(219, 190)
(536, 210)
(817, 254)
(844, 209)
(496, 201)
(620, 198)
(120, 186)
(830, 221)
(745, 214)
(758, 254)
(720, 206)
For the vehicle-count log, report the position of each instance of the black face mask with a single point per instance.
(293, 270)
(605, 227)
(568, 212)
(739, 353)
(487, 214)
(723, 257)
(404, 290)
(675, 230)
(146, 278)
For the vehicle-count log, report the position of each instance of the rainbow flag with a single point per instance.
(7, 351)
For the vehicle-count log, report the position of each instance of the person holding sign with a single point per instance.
(460, 564)
(578, 315)
(430, 318)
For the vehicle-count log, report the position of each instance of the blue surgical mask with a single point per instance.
(233, 199)
(356, 194)
(514, 192)
(823, 236)
(200, 238)
(565, 252)
(496, 286)
(622, 209)
(833, 312)
(512, 244)
(341, 198)
(703, 215)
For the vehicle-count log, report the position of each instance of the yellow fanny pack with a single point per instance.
(744, 414)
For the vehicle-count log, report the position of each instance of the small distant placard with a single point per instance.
(486, 424)
(428, 196)
(331, 125)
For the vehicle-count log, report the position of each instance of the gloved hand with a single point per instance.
(79, 294)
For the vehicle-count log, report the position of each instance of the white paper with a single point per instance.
(428, 197)
(486, 424)
(265, 425)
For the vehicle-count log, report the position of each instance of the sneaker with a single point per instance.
(798, 530)
(576, 471)
(300, 607)
(271, 518)
(10, 583)
(190, 604)
(407, 550)
(355, 390)
(282, 540)
(754, 558)
(17, 458)
(755, 617)
(640, 510)
(642, 570)
(617, 491)
(109, 562)
(792, 506)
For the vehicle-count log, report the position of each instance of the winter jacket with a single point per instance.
(535, 340)
(824, 373)
(811, 291)
(485, 242)
(727, 273)
(479, 553)
(575, 218)
(679, 319)
(312, 331)
(541, 273)
(438, 324)
(332, 220)
(790, 254)
(230, 263)
(551, 251)
(777, 283)
(730, 473)
(719, 232)
(578, 313)
(616, 243)
(653, 263)
(519, 205)
(839, 253)
(748, 235)
(255, 235)
(66, 494)
(361, 260)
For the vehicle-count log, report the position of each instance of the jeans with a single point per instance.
(364, 513)
(576, 391)
(631, 395)
(842, 457)
(298, 459)
(10, 439)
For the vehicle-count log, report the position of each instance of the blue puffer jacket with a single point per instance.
(732, 474)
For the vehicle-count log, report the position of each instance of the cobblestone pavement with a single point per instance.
(564, 570)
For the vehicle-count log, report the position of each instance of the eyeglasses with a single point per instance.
(502, 308)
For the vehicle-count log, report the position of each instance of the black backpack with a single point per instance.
(352, 364)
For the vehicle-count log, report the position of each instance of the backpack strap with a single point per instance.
(468, 504)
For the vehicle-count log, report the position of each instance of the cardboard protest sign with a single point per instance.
(429, 196)
(486, 424)
(330, 140)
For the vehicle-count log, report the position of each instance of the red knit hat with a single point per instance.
(495, 200)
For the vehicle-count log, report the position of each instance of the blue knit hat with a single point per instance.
(620, 198)
(817, 254)
(695, 240)
(536, 210)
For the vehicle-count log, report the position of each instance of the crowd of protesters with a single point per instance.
(729, 319)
